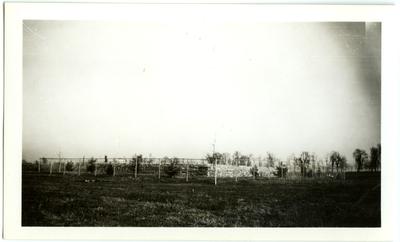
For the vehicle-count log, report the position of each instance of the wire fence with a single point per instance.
(159, 167)
(165, 167)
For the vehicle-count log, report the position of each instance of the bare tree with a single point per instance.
(244, 160)
(360, 156)
(374, 158)
(211, 158)
(236, 157)
(343, 164)
(270, 160)
(226, 158)
(313, 158)
(303, 162)
(259, 161)
(337, 160)
(379, 157)
(334, 159)
(291, 159)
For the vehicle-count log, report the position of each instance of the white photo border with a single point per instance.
(15, 13)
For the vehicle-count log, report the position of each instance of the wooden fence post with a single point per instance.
(236, 175)
(51, 167)
(254, 171)
(159, 170)
(136, 166)
(79, 168)
(59, 167)
(187, 170)
(215, 171)
(65, 163)
(39, 164)
(113, 169)
(95, 169)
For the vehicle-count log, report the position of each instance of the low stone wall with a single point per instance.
(266, 171)
(239, 171)
(230, 171)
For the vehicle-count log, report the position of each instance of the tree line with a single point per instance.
(371, 162)
(306, 163)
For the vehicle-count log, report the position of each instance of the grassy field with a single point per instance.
(123, 201)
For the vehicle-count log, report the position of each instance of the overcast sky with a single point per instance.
(120, 88)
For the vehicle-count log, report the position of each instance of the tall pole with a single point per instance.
(51, 167)
(254, 167)
(79, 168)
(136, 166)
(159, 170)
(187, 170)
(236, 168)
(39, 164)
(215, 163)
(59, 159)
(215, 176)
(236, 174)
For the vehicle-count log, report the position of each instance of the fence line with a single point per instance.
(125, 160)
(159, 167)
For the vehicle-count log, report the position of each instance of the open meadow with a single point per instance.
(87, 200)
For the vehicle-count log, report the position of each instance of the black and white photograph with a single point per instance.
(201, 123)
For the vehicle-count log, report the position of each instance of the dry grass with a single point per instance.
(122, 201)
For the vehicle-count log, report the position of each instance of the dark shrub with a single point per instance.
(281, 171)
(132, 163)
(254, 171)
(69, 166)
(172, 169)
(202, 170)
(110, 169)
(91, 165)
(27, 166)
